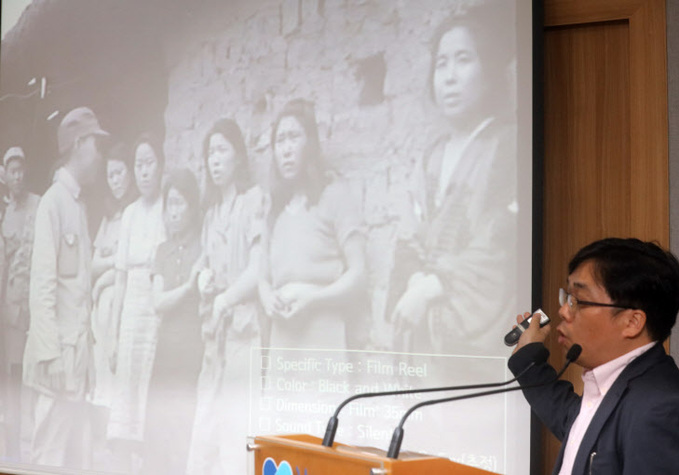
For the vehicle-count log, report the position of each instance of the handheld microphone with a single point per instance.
(331, 428)
(513, 336)
(397, 437)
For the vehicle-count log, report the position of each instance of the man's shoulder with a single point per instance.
(651, 401)
(665, 369)
(657, 378)
(55, 196)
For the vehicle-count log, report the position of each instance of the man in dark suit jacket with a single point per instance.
(621, 303)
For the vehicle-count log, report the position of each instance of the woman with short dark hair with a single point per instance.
(172, 391)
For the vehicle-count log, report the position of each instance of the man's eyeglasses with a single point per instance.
(574, 302)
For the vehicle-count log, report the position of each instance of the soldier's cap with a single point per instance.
(80, 122)
(13, 152)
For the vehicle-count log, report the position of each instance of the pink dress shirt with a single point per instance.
(597, 383)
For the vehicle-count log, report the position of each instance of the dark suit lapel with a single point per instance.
(637, 367)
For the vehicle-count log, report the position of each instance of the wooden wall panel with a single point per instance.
(606, 155)
(587, 157)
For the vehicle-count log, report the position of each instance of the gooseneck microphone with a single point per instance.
(397, 437)
(331, 428)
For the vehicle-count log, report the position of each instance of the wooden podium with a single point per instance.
(302, 454)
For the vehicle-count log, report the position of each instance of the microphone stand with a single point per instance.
(331, 428)
(397, 437)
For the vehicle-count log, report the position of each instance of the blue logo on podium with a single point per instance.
(270, 468)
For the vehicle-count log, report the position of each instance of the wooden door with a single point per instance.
(606, 138)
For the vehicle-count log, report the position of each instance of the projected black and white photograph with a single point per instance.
(222, 218)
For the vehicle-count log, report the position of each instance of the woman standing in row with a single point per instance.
(141, 231)
(104, 322)
(104, 325)
(227, 284)
(466, 245)
(172, 393)
(315, 262)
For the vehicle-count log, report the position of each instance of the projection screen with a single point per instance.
(222, 218)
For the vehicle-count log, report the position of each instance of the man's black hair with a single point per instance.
(636, 274)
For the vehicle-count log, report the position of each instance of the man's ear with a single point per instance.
(76, 144)
(635, 323)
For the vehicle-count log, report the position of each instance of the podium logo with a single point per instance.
(270, 468)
